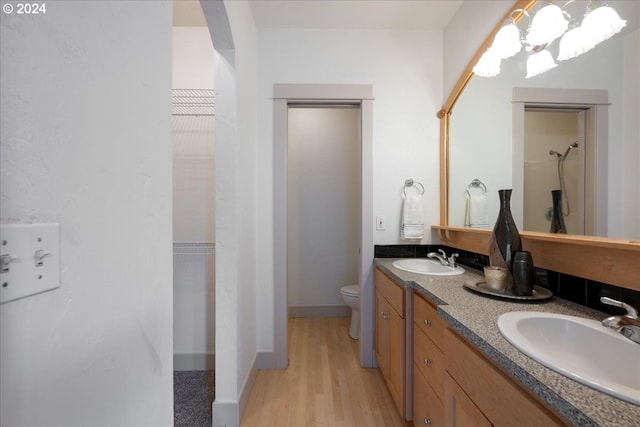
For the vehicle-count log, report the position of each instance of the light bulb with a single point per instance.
(602, 23)
(547, 25)
(488, 65)
(539, 62)
(575, 42)
(507, 41)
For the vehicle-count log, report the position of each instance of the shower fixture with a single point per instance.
(566, 153)
(561, 158)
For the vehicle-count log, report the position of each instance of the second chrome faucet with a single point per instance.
(444, 260)
(627, 324)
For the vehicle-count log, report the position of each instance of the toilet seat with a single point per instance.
(350, 290)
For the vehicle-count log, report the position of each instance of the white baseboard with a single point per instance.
(225, 414)
(319, 311)
(228, 414)
(194, 362)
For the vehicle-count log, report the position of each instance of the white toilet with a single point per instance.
(351, 296)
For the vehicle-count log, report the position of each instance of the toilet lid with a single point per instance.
(352, 290)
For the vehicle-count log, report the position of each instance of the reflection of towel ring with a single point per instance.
(410, 183)
(476, 183)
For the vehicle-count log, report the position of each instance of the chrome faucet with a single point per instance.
(627, 324)
(442, 257)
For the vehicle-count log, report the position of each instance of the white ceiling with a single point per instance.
(360, 14)
(335, 14)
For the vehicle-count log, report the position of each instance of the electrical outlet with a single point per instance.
(380, 222)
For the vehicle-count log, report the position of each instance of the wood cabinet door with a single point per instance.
(396, 358)
(382, 334)
(459, 409)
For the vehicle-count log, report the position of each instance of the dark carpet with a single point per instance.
(193, 392)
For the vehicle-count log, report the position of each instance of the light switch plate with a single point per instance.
(32, 260)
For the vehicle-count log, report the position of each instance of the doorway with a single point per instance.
(593, 107)
(284, 96)
(323, 203)
(554, 147)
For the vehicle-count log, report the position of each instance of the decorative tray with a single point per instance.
(539, 293)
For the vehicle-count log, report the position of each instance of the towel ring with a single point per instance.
(476, 183)
(410, 183)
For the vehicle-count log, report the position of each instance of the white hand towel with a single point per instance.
(476, 211)
(412, 227)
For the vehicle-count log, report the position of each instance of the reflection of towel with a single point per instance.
(476, 211)
(412, 223)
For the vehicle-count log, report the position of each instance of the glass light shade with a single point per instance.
(488, 65)
(602, 23)
(575, 42)
(539, 62)
(547, 25)
(507, 41)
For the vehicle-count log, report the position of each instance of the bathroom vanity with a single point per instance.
(463, 372)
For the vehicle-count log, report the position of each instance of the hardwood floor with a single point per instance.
(324, 384)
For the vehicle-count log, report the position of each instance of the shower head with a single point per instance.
(573, 145)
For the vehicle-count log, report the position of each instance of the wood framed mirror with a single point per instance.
(608, 260)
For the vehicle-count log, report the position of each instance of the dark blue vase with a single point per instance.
(505, 239)
(557, 219)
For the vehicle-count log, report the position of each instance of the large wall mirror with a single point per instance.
(574, 128)
(582, 117)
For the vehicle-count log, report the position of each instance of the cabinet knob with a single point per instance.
(384, 315)
(427, 361)
(427, 322)
(427, 421)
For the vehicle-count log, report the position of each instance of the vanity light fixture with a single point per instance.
(551, 22)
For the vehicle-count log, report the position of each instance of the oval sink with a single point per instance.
(578, 348)
(426, 266)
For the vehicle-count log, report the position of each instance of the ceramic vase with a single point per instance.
(505, 239)
(523, 273)
(557, 219)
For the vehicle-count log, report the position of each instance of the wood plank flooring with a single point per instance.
(324, 384)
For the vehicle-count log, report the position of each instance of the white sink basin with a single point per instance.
(426, 266)
(580, 349)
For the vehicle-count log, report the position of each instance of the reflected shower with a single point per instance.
(566, 153)
(561, 158)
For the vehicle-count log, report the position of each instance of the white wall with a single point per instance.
(193, 141)
(193, 206)
(466, 32)
(323, 197)
(86, 142)
(405, 69)
(192, 61)
(234, 37)
(244, 37)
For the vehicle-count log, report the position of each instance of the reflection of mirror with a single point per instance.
(488, 142)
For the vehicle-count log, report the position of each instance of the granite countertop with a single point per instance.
(475, 317)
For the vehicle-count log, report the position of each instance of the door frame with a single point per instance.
(595, 102)
(361, 94)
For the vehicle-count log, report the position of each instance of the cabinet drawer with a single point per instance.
(459, 410)
(495, 393)
(427, 319)
(427, 407)
(393, 292)
(429, 360)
